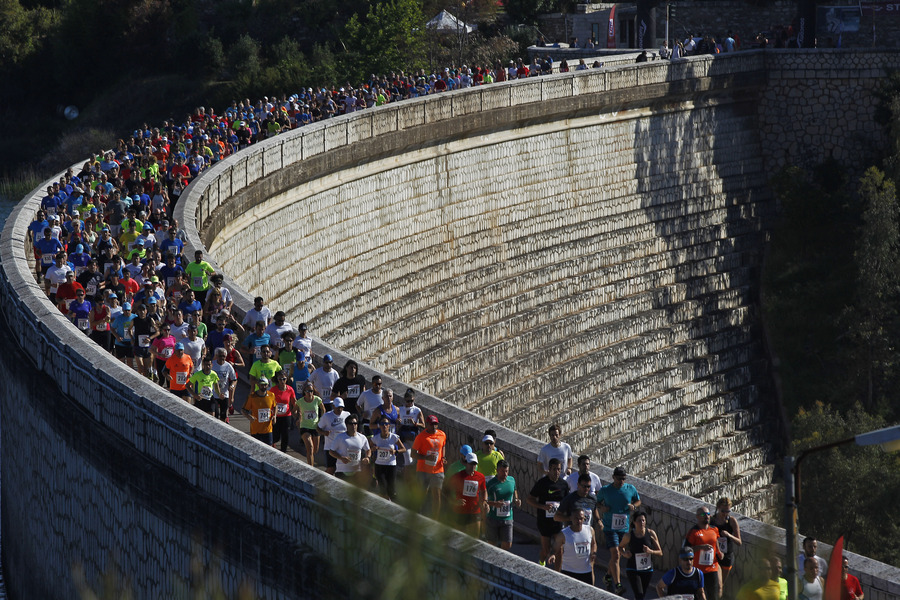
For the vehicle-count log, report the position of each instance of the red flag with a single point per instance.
(833, 582)
(611, 30)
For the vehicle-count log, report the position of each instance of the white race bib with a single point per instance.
(408, 421)
(642, 561)
(470, 488)
(262, 415)
(181, 378)
(431, 458)
(582, 548)
(103, 326)
(619, 521)
(706, 558)
(84, 324)
(166, 352)
(384, 455)
(552, 510)
(503, 511)
(206, 393)
(353, 391)
(144, 341)
(126, 334)
(46, 259)
(257, 352)
(91, 289)
(353, 455)
(197, 281)
(722, 543)
(309, 415)
(282, 409)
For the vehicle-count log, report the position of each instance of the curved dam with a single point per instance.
(581, 250)
(581, 247)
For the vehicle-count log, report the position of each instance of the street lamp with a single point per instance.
(888, 438)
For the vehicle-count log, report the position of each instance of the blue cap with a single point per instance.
(126, 306)
(79, 248)
(179, 346)
(327, 358)
(152, 300)
(94, 210)
(466, 449)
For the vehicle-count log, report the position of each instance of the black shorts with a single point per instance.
(585, 577)
(265, 438)
(207, 406)
(140, 352)
(304, 431)
(464, 519)
(123, 351)
(548, 527)
(330, 461)
(180, 393)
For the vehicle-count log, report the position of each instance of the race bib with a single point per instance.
(384, 455)
(309, 415)
(470, 488)
(170, 281)
(722, 543)
(144, 341)
(282, 409)
(103, 326)
(353, 455)
(431, 458)
(706, 558)
(166, 352)
(172, 250)
(197, 281)
(257, 352)
(582, 548)
(181, 378)
(642, 561)
(619, 521)
(353, 391)
(126, 334)
(551, 511)
(503, 511)
(408, 421)
(46, 259)
(205, 393)
(91, 289)
(262, 415)
(84, 324)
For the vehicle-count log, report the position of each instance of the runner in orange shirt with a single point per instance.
(180, 367)
(428, 448)
(261, 408)
(704, 539)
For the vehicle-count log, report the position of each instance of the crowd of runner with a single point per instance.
(111, 257)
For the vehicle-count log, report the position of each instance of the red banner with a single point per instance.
(611, 30)
(833, 583)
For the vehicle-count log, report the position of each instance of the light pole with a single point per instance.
(888, 438)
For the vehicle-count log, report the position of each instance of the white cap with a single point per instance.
(487, 438)
(471, 457)
(338, 402)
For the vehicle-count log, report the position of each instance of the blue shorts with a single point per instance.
(612, 538)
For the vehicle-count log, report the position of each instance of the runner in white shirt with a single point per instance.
(350, 450)
(556, 449)
(330, 425)
(584, 466)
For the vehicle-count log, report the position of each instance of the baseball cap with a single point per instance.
(126, 306)
(487, 438)
(338, 402)
(432, 419)
(471, 457)
(262, 381)
(179, 346)
(465, 450)
(327, 358)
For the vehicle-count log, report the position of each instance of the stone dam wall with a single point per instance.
(122, 472)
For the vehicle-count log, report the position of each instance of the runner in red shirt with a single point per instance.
(470, 489)
(704, 539)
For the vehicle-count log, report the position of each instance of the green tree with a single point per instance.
(526, 11)
(22, 31)
(243, 57)
(848, 490)
(873, 317)
(390, 37)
